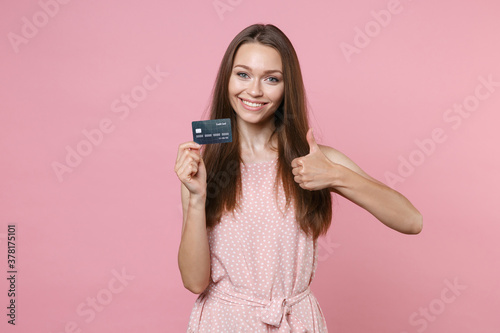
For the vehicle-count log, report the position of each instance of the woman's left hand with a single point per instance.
(314, 171)
(317, 171)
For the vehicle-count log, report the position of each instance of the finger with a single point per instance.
(181, 172)
(298, 170)
(313, 146)
(194, 169)
(305, 186)
(185, 166)
(192, 155)
(186, 146)
(186, 157)
(190, 144)
(188, 172)
(296, 163)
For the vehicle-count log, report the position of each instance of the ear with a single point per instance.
(313, 146)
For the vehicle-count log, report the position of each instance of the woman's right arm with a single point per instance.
(194, 251)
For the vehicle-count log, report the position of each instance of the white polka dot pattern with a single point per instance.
(261, 265)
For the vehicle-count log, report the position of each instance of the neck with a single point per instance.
(255, 139)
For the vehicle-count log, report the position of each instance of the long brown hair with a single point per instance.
(313, 209)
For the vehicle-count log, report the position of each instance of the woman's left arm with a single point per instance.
(326, 167)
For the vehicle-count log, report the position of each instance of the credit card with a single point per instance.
(212, 131)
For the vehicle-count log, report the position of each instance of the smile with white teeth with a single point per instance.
(252, 104)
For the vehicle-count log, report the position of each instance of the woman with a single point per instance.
(254, 208)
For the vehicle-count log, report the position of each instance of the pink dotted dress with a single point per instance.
(261, 265)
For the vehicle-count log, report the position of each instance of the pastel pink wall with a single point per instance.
(97, 240)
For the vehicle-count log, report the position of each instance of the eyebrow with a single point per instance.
(265, 72)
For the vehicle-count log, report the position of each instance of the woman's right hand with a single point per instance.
(194, 249)
(190, 168)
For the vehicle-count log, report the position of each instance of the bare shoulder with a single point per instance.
(336, 156)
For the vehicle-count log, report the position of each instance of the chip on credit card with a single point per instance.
(212, 131)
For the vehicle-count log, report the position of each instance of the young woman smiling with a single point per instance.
(250, 247)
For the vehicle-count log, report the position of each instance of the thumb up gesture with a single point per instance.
(313, 171)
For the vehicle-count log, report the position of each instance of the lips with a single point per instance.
(252, 105)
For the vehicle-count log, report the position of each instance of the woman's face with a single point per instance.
(256, 84)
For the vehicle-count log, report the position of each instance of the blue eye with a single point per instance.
(273, 79)
(241, 74)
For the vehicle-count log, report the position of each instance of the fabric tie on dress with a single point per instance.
(275, 313)
(278, 313)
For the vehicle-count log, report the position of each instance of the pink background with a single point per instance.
(118, 210)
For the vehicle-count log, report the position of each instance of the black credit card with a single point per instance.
(212, 131)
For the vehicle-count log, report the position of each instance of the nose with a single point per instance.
(255, 89)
